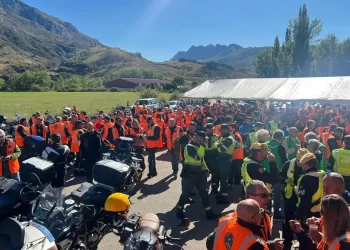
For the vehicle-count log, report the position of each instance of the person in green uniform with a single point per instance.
(322, 148)
(225, 145)
(194, 174)
(292, 143)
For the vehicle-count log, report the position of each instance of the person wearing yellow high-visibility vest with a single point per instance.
(211, 153)
(252, 168)
(309, 189)
(225, 146)
(194, 174)
(251, 139)
(291, 172)
(339, 161)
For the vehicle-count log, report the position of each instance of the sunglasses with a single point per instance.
(261, 212)
(264, 195)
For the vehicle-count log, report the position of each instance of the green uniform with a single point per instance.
(290, 144)
(274, 126)
(273, 147)
(194, 175)
(323, 162)
(226, 145)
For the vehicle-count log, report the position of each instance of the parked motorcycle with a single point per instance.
(152, 235)
(50, 119)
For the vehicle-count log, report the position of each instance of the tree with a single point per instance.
(178, 80)
(325, 55)
(304, 32)
(275, 58)
(264, 63)
(194, 84)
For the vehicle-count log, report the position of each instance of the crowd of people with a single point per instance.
(293, 163)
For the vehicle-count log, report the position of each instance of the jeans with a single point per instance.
(152, 160)
(174, 161)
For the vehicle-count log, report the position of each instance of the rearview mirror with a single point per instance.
(185, 222)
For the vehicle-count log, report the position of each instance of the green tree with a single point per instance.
(178, 80)
(194, 84)
(2, 84)
(275, 58)
(304, 32)
(264, 63)
(326, 54)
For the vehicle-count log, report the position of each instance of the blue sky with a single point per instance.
(160, 28)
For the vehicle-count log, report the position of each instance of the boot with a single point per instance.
(180, 213)
(211, 215)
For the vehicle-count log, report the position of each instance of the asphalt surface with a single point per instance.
(159, 195)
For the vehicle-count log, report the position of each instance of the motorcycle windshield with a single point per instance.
(50, 201)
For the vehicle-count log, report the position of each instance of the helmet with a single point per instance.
(117, 203)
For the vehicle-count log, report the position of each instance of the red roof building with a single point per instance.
(130, 83)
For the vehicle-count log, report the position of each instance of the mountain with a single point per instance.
(233, 54)
(31, 38)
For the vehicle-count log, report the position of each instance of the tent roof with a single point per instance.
(288, 89)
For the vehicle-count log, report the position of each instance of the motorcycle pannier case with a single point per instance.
(111, 173)
(42, 168)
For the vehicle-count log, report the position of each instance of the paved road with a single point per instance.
(160, 195)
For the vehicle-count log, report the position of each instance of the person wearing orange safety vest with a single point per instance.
(310, 127)
(107, 132)
(138, 135)
(242, 231)
(335, 140)
(172, 133)
(143, 120)
(118, 131)
(22, 131)
(75, 146)
(180, 118)
(237, 159)
(188, 117)
(33, 121)
(9, 154)
(60, 128)
(39, 129)
(152, 143)
(161, 125)
(256, 190)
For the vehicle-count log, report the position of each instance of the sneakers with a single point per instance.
(175, 175)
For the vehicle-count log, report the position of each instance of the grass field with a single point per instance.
(27, 103)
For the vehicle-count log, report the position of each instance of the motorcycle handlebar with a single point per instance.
(173, 239)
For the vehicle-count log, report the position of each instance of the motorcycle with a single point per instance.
(126, 153)
(152, 235)
(50, 119)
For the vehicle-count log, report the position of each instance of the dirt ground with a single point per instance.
(160, 195)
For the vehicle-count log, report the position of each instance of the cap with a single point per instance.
(259, 146)
(201, 134)
(79, 122)
(301, 153)
(307, 157)
(259, 124)
(339, 129)
(224, 126)
(209, 125)
(107, 117)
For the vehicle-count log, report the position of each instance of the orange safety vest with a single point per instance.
(161, 126)
(188, 120)
(143, 122)
(18, 138)
(74, 148)
(35, 132)
(339, 144)
(137, 140)
(335, 244)
(180, 120)
(58, 127)
(171, 137)
(13, 164)
(34, 120)
(238, 153)
(151, 143)
(217, 130)
(241, 237)
(106, 127)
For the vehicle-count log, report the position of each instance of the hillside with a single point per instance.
(111, 63)
(233, 54)
(30, 38)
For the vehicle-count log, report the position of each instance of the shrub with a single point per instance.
(163, 99)
(114, 90)
(36, 88)
(174, 96)
(149, 93)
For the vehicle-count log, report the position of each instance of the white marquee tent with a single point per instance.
(287, 89)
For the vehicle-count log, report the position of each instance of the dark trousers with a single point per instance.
(152, 160)
(235, 172)
(88, 165)
(190, 181)
(58, 179)
(174, 161)
(77, 163)
(213, 167)
(289, 214)
(224, 172)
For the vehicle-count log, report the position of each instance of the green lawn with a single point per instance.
(27, 103)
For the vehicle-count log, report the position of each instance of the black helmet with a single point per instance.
(143, 239)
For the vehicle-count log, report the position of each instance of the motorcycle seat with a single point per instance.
(14, 230)
(151, 221)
